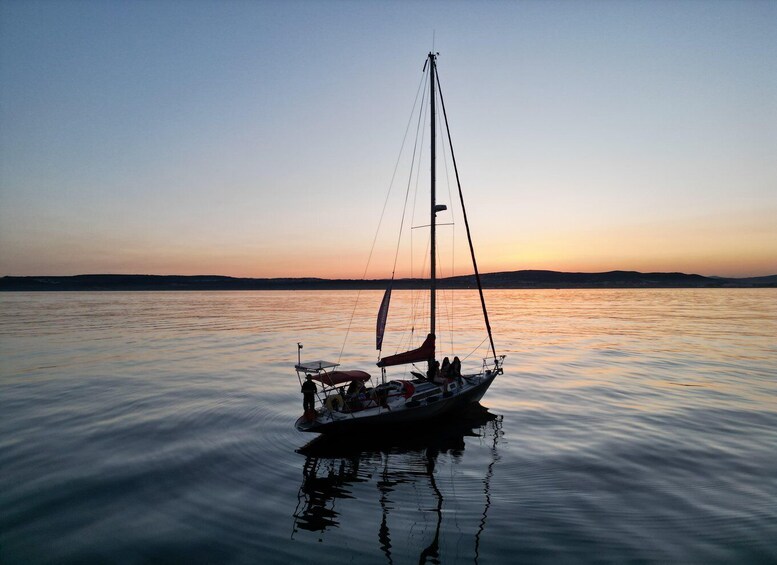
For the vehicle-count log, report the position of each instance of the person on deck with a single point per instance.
(434, 370)
(445, 369)
(455, 371)
(354, 388)
(309, 391)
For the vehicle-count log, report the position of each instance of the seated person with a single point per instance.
(445, 369)
(355, 387)
(434, 371)
(455, 370)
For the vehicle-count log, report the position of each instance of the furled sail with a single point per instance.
(382, 316)
(423, 353)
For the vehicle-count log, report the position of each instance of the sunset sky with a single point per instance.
(259, 138)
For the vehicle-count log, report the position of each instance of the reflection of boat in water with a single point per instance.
(441, 389)
(400, 464)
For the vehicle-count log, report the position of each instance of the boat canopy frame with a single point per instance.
(325, 373)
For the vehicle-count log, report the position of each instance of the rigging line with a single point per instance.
(438, 224)
(444, 304)
(446, 297)
(404, 211)
(415, 198)
(407, 190)
(418, 302)
(478, 347)
(415, 304)
(382, 213)
(422, 298)
(448, 316)
(466, 222)
(453, 234)
(417, 150)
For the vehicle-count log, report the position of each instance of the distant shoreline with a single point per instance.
(527, 279)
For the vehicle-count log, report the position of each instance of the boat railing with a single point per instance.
(493, 365)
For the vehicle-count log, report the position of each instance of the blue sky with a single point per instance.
(258, 138)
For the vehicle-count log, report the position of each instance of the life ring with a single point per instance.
(334, 403)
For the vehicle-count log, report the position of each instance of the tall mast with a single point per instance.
(433, 246)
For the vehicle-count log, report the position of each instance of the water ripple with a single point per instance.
(153, 427)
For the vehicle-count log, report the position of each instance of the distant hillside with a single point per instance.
(514, 279)
(628, 279)
(769, 280)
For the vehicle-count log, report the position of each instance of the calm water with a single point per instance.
(630, 425)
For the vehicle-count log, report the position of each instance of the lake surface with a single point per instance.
(630, 425)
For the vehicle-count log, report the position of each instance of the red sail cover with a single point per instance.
(337, 377)
(382, 315)
(423, 353)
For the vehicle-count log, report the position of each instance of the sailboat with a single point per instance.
(437, 392)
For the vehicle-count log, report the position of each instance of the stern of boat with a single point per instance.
(306, 424)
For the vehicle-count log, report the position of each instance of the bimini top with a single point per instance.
(339, 377)
(315, 366)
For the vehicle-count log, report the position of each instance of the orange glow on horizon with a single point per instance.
(694, 248)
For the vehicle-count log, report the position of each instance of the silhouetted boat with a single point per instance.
(441, 391)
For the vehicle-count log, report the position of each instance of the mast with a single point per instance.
(433, 243)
